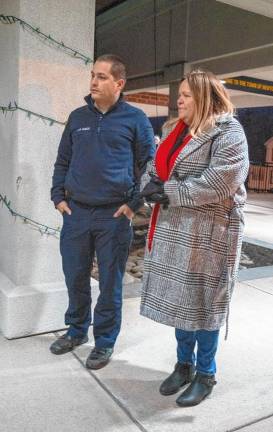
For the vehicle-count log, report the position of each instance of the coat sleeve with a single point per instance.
(227, 171)
(150, 168)
(144, 149)
(61, 166)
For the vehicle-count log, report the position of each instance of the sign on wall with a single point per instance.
(251, 85)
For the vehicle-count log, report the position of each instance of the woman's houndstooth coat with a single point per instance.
(190, 271)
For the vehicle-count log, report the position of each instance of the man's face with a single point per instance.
(104, 88)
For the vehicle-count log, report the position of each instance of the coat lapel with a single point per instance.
(195, 143)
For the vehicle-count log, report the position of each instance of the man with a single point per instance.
(104, 150)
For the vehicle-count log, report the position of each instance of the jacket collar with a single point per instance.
(91, 104)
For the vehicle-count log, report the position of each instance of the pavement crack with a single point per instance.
(112, 396)
(246, 425)
(258, 289)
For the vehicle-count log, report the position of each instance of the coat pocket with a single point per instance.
(220, 228)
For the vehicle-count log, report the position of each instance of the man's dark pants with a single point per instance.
(87, 231)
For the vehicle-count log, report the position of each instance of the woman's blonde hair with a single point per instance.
(210, 97)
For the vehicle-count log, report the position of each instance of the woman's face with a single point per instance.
(185, 103)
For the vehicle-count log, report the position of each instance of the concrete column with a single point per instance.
(173, 86)
(43, 79)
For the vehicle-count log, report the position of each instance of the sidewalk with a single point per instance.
(259, 218)
(41, 392)
(45, 393)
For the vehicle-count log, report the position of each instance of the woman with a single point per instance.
(195, 235)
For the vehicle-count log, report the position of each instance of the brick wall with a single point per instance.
(148, 98)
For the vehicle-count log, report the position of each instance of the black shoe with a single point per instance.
(183, 373)
(200, 388)
(66, 343)
(98, 358)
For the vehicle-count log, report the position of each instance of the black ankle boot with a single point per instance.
(200, 388)
(183, 373)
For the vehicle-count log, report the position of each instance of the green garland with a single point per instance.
(43, 229)
(10, 108)
(10, 19)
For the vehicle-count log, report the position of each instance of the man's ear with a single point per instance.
(121, 83)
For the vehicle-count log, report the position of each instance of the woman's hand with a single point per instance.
(153, 192)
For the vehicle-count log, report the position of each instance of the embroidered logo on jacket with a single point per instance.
(82, 129)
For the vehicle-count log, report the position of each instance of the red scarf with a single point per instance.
(164, 168)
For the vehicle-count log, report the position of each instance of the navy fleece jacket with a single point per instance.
(101, 157)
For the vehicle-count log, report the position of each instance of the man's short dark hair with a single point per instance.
(118, 68)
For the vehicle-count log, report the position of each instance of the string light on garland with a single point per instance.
(11, 108)
(10, 19)
(43, 229)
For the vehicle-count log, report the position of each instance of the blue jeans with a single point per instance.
(89, 230)
(207, 342)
